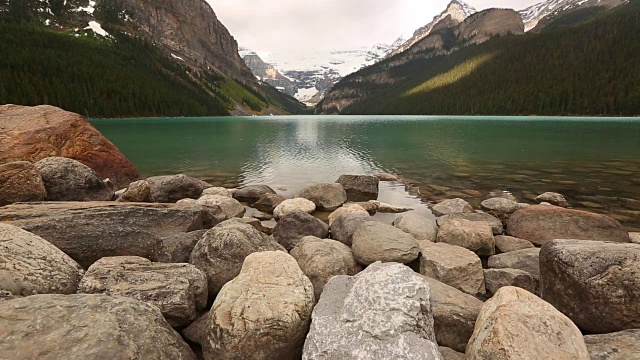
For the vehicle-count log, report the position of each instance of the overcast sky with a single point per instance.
(281, 25)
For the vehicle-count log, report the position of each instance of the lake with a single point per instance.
(595, 162)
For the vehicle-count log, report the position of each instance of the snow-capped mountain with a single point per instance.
(550, 8)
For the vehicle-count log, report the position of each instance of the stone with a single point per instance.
(219, 191)
(525, 260)
(231, 208)
(88, 231)
(454, 206)
(596, 284)
(222, 250)
(383, 312)
(553, 198)
(623, 345)
(81, 326)
(390, 209)
(494, 222)
(268, 203)
(505, 244)
(178, 290)
(290, 230)
(176, 248)
(500, 205)
(171, 188)
(20, 181)
(452, 265)
(347, 209)
(386, 177)
(70, 180)
(421, 228)
(292, 205)
(30, 265)
(515, 324)
(196, 332)
(251, 194)
(326, 196)
(262, 216)
(360, 187)
(34, 133)
(322, 259)
(450, 354)
(137, 191)
(454, 314)
(344, 226)
(374, 241)
(472, 235)
(263, 313)
(543, 223)
(371, 206)
(495, 279)
(635, 237)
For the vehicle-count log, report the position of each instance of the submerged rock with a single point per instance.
(70, 180)
(20, 182)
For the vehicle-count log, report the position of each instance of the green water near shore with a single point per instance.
(594, 161)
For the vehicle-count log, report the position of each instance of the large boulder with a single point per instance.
(263, 313)
(30, 265)
(347, 209)
(231, 208)
(251, 194)
(222, 250)
(515, 324)
(326, 196)
(500, 206)
(450, 354)
(268, 203)
(292, 205)
(360, 187)
(344, 226)
(417, 226)
(220, 191)
(383, 312)
(80, 327)
(596, 284)
(20, 181)
(290, 230)
(635, 237)
(623, 345)
(525, 260)
(496, 224)
(322, 259)
(495, 279)
(70, 180)
(472, 235)
(88, 231)
(171, 188)
(35, 133)
(374, 241)
(179, 290)
(176, 248)
(452, 206)
(137, 191)
(505, 244)
(543, 223)
(452, 265)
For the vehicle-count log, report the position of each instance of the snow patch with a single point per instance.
(177, 57)
(88, 9)
(97, 28)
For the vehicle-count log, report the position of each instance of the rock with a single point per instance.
(231, 208)
(525, 260)
(196, 332)
(454, 206)
(219, 191)
(344, 226)
(454, 314)
(371, 206)
(292, 205)
(374, 241)
(450, 354)
(421, 228)
(136, 192)
(390, 209)
(222, 250)
(635, 237)
(70, 180)
(30, 265)
(475, 236)
(176, 248)
(80, 327)
(262, 216)
(268, 203)
(553, 198)
(452, 265)
(263, 313)
(326, 197)
(505, 244)
(188, 202)
(543, 223)
(253, 193)
(178, 290)
(522, 205)
(290, 230)
(35, 133)
(360, 187)
(20, 181)
(347, 209)
(383, 312)
(499, 278)
(88, 231)
(515, 324)
(171, 188)
(6, 295)
(500, 205)
(596, 284)
(494, 222)
(321, 259)
(623, 345)
(386, 177)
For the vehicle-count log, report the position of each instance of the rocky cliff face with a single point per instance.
(269, 74)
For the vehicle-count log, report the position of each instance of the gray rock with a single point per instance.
(20, 182)
(70, 180)
(137, 191)
(452, 265)
(417, 226)
(494, 222)
(30, 265)
(374, 241)
(505, 244)
(219, 191)
(454, 206)
(553, 198)
(472, 235)
(196, 332)
(450, 354)
(177, 248)
(500, 205)
(635, 237)
(386, 177)
(525, 260)
(231, 208)
(222, 250)
(178, 290)
(388, 208)
(262, 216)
(268, 203)
(292, 205)
(80, 327)
(251, 194)
(171, 188)
(326, 197)
(344, 226)
(360, 187)
(596, 284)
(347, 209)
(499, 278)
(263, 313)
(623, 345)
(383, 312)
(293, 227)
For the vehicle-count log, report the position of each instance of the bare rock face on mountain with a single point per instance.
(484, 25)
(269, 74)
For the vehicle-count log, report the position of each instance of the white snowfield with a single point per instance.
(97, 28)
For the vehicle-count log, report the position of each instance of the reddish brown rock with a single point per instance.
(20, 182)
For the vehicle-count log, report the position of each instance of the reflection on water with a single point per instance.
(595, 162)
